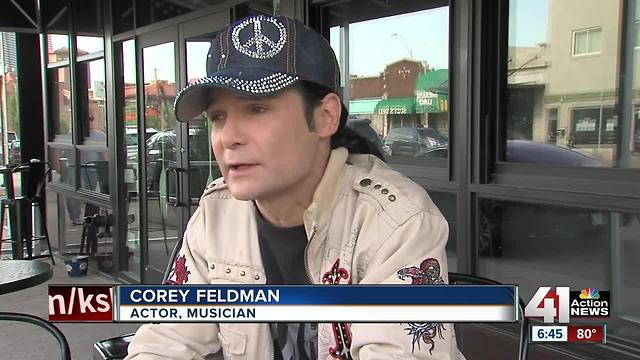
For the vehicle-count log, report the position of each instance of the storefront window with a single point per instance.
(132, 170)
(57, 48)
(94, 170)
(89, 44)
(86, 228)
(9, 102)
(397, 79)
(446, 202)
(563, 105)
(60, 102)
(533, 245)
(62, 161)
(91, 105)
(202, 166)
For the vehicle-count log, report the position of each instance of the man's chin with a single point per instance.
(242, 194)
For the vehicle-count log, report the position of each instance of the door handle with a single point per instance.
(177, 172)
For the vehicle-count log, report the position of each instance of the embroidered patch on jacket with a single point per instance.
(333, 276)
(427, 274)
(341, 331)
(425, 332)
(179, 272)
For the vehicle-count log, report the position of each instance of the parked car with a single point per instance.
(529, 152)
(131, 138)
(411, 141)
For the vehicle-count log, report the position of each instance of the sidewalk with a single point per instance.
(26, 341)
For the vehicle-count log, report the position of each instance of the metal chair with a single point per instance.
(65, 351)
(116, 348)
(523, 345)
(23, 238)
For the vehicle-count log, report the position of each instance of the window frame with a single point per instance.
(587, 32)
(426, 170)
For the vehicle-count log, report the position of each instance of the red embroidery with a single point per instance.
(341, 331)
(427, 274)
(179, 271)
(333, 276)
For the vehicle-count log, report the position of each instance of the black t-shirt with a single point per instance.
(282, 252)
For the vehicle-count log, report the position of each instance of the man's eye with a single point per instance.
(215, 117)
(258, 109)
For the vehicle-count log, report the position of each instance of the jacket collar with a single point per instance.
(317, 214)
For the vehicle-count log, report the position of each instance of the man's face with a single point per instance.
(263, 145)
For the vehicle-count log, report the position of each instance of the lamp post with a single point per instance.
(404, 43)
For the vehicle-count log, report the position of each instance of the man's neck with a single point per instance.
(287, 209)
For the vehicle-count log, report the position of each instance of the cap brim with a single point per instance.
(194, 99)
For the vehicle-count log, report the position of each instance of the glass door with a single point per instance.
(201, 165)
(160, 137)
(203, 168)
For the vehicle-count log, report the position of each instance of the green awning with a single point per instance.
(432, 92)
(363, 106)
(396, 106)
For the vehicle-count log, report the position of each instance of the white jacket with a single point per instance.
(369, 222)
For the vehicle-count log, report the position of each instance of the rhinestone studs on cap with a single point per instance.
(259, 46)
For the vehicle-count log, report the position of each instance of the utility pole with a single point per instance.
(404, 43)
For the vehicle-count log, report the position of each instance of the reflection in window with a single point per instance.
(87, 228)
(62, 162)
(202, 166)
(91, 109)
(89, 44)
(561, 106)
(531, 245)
(132, 169)
(94, 170)
(587, 42)
(403, 91)
(60, 102)
(9, 101)
(159, 86)
(57, 48)
(446, 202)
(594, 125)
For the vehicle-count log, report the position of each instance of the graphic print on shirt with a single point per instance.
(427, 274)
(341, 331)
(179, 274)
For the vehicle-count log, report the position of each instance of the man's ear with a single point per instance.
(327, 115)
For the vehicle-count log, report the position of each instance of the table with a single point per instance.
(17, 275)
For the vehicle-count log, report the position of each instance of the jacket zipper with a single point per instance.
(306, 250)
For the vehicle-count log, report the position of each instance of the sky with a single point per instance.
(422, 36)
(528, 22)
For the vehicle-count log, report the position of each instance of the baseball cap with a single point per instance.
(259, 56)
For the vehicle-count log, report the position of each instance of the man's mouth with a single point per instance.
(239, 167)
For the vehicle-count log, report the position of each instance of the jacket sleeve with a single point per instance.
(180, 340)
(414, 253)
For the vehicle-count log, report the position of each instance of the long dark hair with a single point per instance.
(312, 94)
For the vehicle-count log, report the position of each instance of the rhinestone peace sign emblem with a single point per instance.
(259, 46)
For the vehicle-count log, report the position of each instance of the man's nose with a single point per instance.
(232, 134)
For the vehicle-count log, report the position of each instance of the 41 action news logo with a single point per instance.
(563, 303)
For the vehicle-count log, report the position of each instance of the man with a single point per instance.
(294, 207)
